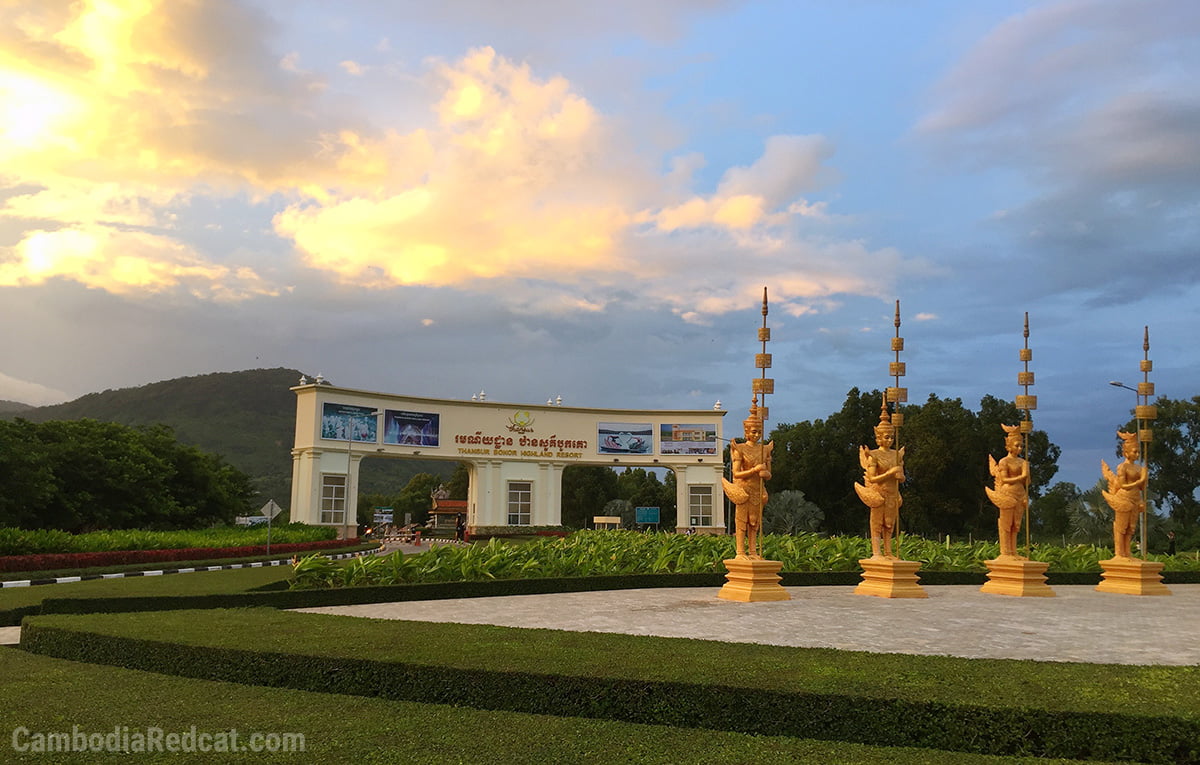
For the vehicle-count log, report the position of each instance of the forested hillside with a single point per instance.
(247, 417)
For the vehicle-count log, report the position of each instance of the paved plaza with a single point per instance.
(1079, 624)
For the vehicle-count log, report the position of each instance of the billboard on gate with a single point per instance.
(346, 422)
(411, 428)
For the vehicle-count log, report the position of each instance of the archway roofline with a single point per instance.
(326, 387)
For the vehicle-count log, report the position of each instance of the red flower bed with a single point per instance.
(51, 561)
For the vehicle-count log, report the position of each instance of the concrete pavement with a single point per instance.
(1077, 625)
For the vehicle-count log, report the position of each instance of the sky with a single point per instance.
(586, 200)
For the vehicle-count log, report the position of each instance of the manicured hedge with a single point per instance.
(993, 728)
(50, 561)
(273, 598)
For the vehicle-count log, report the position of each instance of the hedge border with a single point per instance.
(1012, 731)
(101, 558)
(347, 596)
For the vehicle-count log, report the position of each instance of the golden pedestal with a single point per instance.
(1017, 577)
(1130, 576)
(752, 581)
(890, 578)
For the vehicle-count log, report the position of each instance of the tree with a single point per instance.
(946, 448)
(459, 483)
(1091, 519)
(1050, 514)
(417, 497)
(821, 459)
(81, 475)
(585, 489)
(788, 512)
(1175, 459)
(622, 508)
(642, 488)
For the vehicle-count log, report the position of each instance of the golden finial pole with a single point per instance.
(1145, 412)
(751, 577)
(895, 394)
(1027, 422)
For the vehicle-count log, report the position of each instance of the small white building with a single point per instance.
(515, 453)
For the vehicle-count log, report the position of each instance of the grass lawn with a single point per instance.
(195, 583)
(50, 695)
(47, 695)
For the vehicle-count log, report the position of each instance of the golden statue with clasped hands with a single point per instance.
(883, 472)
(1011, 492)
(1124, 493)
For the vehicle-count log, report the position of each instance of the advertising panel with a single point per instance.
(346, 422)
(625, 437)
(645, 515)
(676, 438)
(411, 428)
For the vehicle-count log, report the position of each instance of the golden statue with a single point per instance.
(751, 466)
(1011, 492)
(883, 472)
(1124, 493)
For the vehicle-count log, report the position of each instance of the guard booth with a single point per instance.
(515, 453)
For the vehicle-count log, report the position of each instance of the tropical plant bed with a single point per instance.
(15, 541)
(985, 706)
(629, 553)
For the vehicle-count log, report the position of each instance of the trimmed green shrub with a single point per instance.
(593, 689)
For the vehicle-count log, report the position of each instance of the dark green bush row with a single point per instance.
(449, 590)
(1013, 731)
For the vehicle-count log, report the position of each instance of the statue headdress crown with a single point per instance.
(754, 418)
(885, 420)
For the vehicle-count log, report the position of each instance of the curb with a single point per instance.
(165, 571)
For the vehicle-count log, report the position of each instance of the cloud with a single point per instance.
(1093, 105)
(496, 178)
(123, 263)
(25, 392)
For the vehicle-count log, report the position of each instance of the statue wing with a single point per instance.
(1003, 500)
(1109, 476)
(864, 457)
(992, 465)
(737, 495)
(869, 495)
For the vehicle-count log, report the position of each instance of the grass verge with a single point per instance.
(10, 576)
(46, 694)
(981, 706)
(16, 602)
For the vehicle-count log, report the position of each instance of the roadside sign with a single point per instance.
(383, 515)
(646, 514)
(271, 509)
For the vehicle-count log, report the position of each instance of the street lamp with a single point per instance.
(1119, 384)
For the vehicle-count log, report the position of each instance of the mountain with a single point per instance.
(247, 417)
(13, 407)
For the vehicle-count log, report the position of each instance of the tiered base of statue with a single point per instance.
(753, 580)
(1017, 576)
(890, 578)
(1130, 576)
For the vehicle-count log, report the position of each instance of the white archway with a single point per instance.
(516, 452)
